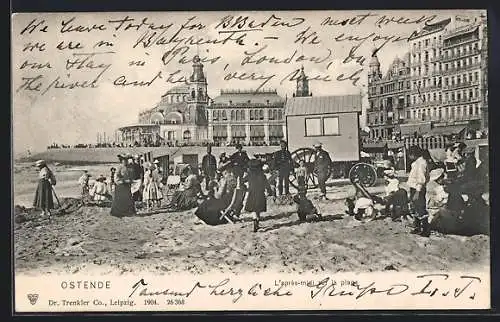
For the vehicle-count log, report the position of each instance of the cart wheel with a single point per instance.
(363, 172)
(307, 155)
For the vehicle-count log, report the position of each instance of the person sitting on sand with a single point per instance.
(99, 191)
(361, 205)
(304, 206)
(226, 186)
(187, 197)
(210, 209)
(396, 198)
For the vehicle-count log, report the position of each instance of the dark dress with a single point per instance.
(123, 203)
(256, 199)
(43, 195)
(210, 210)
(187, 198)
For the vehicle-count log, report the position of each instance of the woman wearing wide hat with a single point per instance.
(43, 195)
(123, 204)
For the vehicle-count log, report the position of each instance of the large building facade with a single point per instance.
(187, 115)
(388, 96)
(447, 76)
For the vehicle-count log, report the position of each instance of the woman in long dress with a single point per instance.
(43, 195)
(152, 194)
(123, 204)
(187, 198)
(256, 199)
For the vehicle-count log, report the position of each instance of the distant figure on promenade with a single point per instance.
(239, 161)
(123, 204)
(322, 164)
(209, 166)
(43, 196)
(284, 164)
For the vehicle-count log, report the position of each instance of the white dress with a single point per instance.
(152, 186)
(99, 191)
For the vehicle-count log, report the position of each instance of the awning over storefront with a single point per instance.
(238, 131)
(257, 131)
(275, 131)
(220, 131)
(446, 130)
(411, 128)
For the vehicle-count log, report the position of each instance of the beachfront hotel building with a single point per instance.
(447, 79)
(187, 115)
(388, 96)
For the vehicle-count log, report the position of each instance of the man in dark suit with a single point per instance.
(322, 164)
(239, 161)
(284, 164)
(209, 166)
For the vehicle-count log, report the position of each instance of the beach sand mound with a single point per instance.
(68, 205)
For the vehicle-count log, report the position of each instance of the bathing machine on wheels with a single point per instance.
(334, 122)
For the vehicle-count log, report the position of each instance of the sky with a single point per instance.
(43, 114)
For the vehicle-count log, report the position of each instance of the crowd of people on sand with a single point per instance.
(451, 188)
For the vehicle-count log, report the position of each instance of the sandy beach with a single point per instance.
(89, 238)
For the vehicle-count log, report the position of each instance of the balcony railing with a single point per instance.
(461, 68)
(474, 51)
(461, 85)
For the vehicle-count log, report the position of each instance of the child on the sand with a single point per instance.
(304, 206)
(360, 205)
(396, 199)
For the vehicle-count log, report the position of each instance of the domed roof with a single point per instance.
(179, 89)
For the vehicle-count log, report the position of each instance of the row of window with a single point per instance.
(386, 103)
(447, 53)
(426, 43)
(240, 114)
(470, 93)
(390, 88)
(444, 112)
(322, 126)
(461, 78)
(438, 67)
(448, 81)
(432, 113)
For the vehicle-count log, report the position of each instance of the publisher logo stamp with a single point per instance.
(33, 298)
